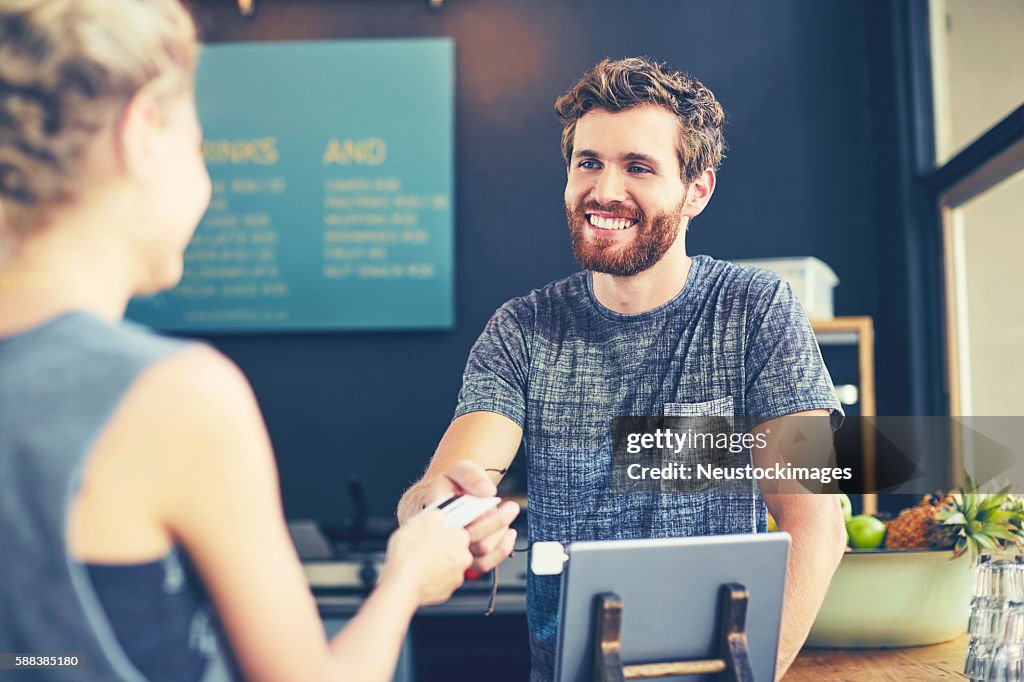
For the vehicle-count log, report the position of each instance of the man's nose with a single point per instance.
(610, 187)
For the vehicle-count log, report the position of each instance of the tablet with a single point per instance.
(670, 594)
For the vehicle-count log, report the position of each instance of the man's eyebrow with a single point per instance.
(577, 153)
(630, 156)
(643, 158)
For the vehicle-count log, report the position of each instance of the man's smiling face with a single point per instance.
(624, 196)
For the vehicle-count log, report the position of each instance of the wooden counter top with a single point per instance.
(915, 664)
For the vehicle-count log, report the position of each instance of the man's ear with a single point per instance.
(699, 192)
(134, 135)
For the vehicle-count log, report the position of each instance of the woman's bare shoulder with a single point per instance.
(192, 419)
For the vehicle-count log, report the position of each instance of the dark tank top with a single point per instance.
(60, 383)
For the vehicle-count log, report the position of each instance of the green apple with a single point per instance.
(865, 531)
(844, 504)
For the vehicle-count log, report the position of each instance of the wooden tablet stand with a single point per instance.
(734, 663)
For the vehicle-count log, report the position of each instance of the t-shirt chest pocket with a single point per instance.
(719, 407)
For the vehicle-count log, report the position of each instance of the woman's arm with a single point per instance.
(220, 500)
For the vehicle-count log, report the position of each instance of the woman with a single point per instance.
(127, 459)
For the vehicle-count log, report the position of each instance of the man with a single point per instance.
(644, 330)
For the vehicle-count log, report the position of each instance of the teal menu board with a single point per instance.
(332, 206)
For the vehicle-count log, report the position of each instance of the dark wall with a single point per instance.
(792, 75)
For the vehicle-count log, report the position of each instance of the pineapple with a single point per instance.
(921, 527)
(966, 522)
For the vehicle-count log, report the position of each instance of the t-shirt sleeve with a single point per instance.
(784, 369)
(497, 369)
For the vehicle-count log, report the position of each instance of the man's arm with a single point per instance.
(473, 455)
(815, 523)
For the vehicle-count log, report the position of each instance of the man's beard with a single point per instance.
(653, 237)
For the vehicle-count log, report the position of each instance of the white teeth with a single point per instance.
(610, 223)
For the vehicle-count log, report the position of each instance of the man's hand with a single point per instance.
(491, 538)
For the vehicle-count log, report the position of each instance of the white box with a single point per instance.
(812, 281)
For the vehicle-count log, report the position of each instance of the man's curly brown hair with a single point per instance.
(625, 83)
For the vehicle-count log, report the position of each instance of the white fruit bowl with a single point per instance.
(883, 598)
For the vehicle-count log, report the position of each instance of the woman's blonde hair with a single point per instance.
(67, 68)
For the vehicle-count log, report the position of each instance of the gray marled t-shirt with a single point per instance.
(734, 341)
